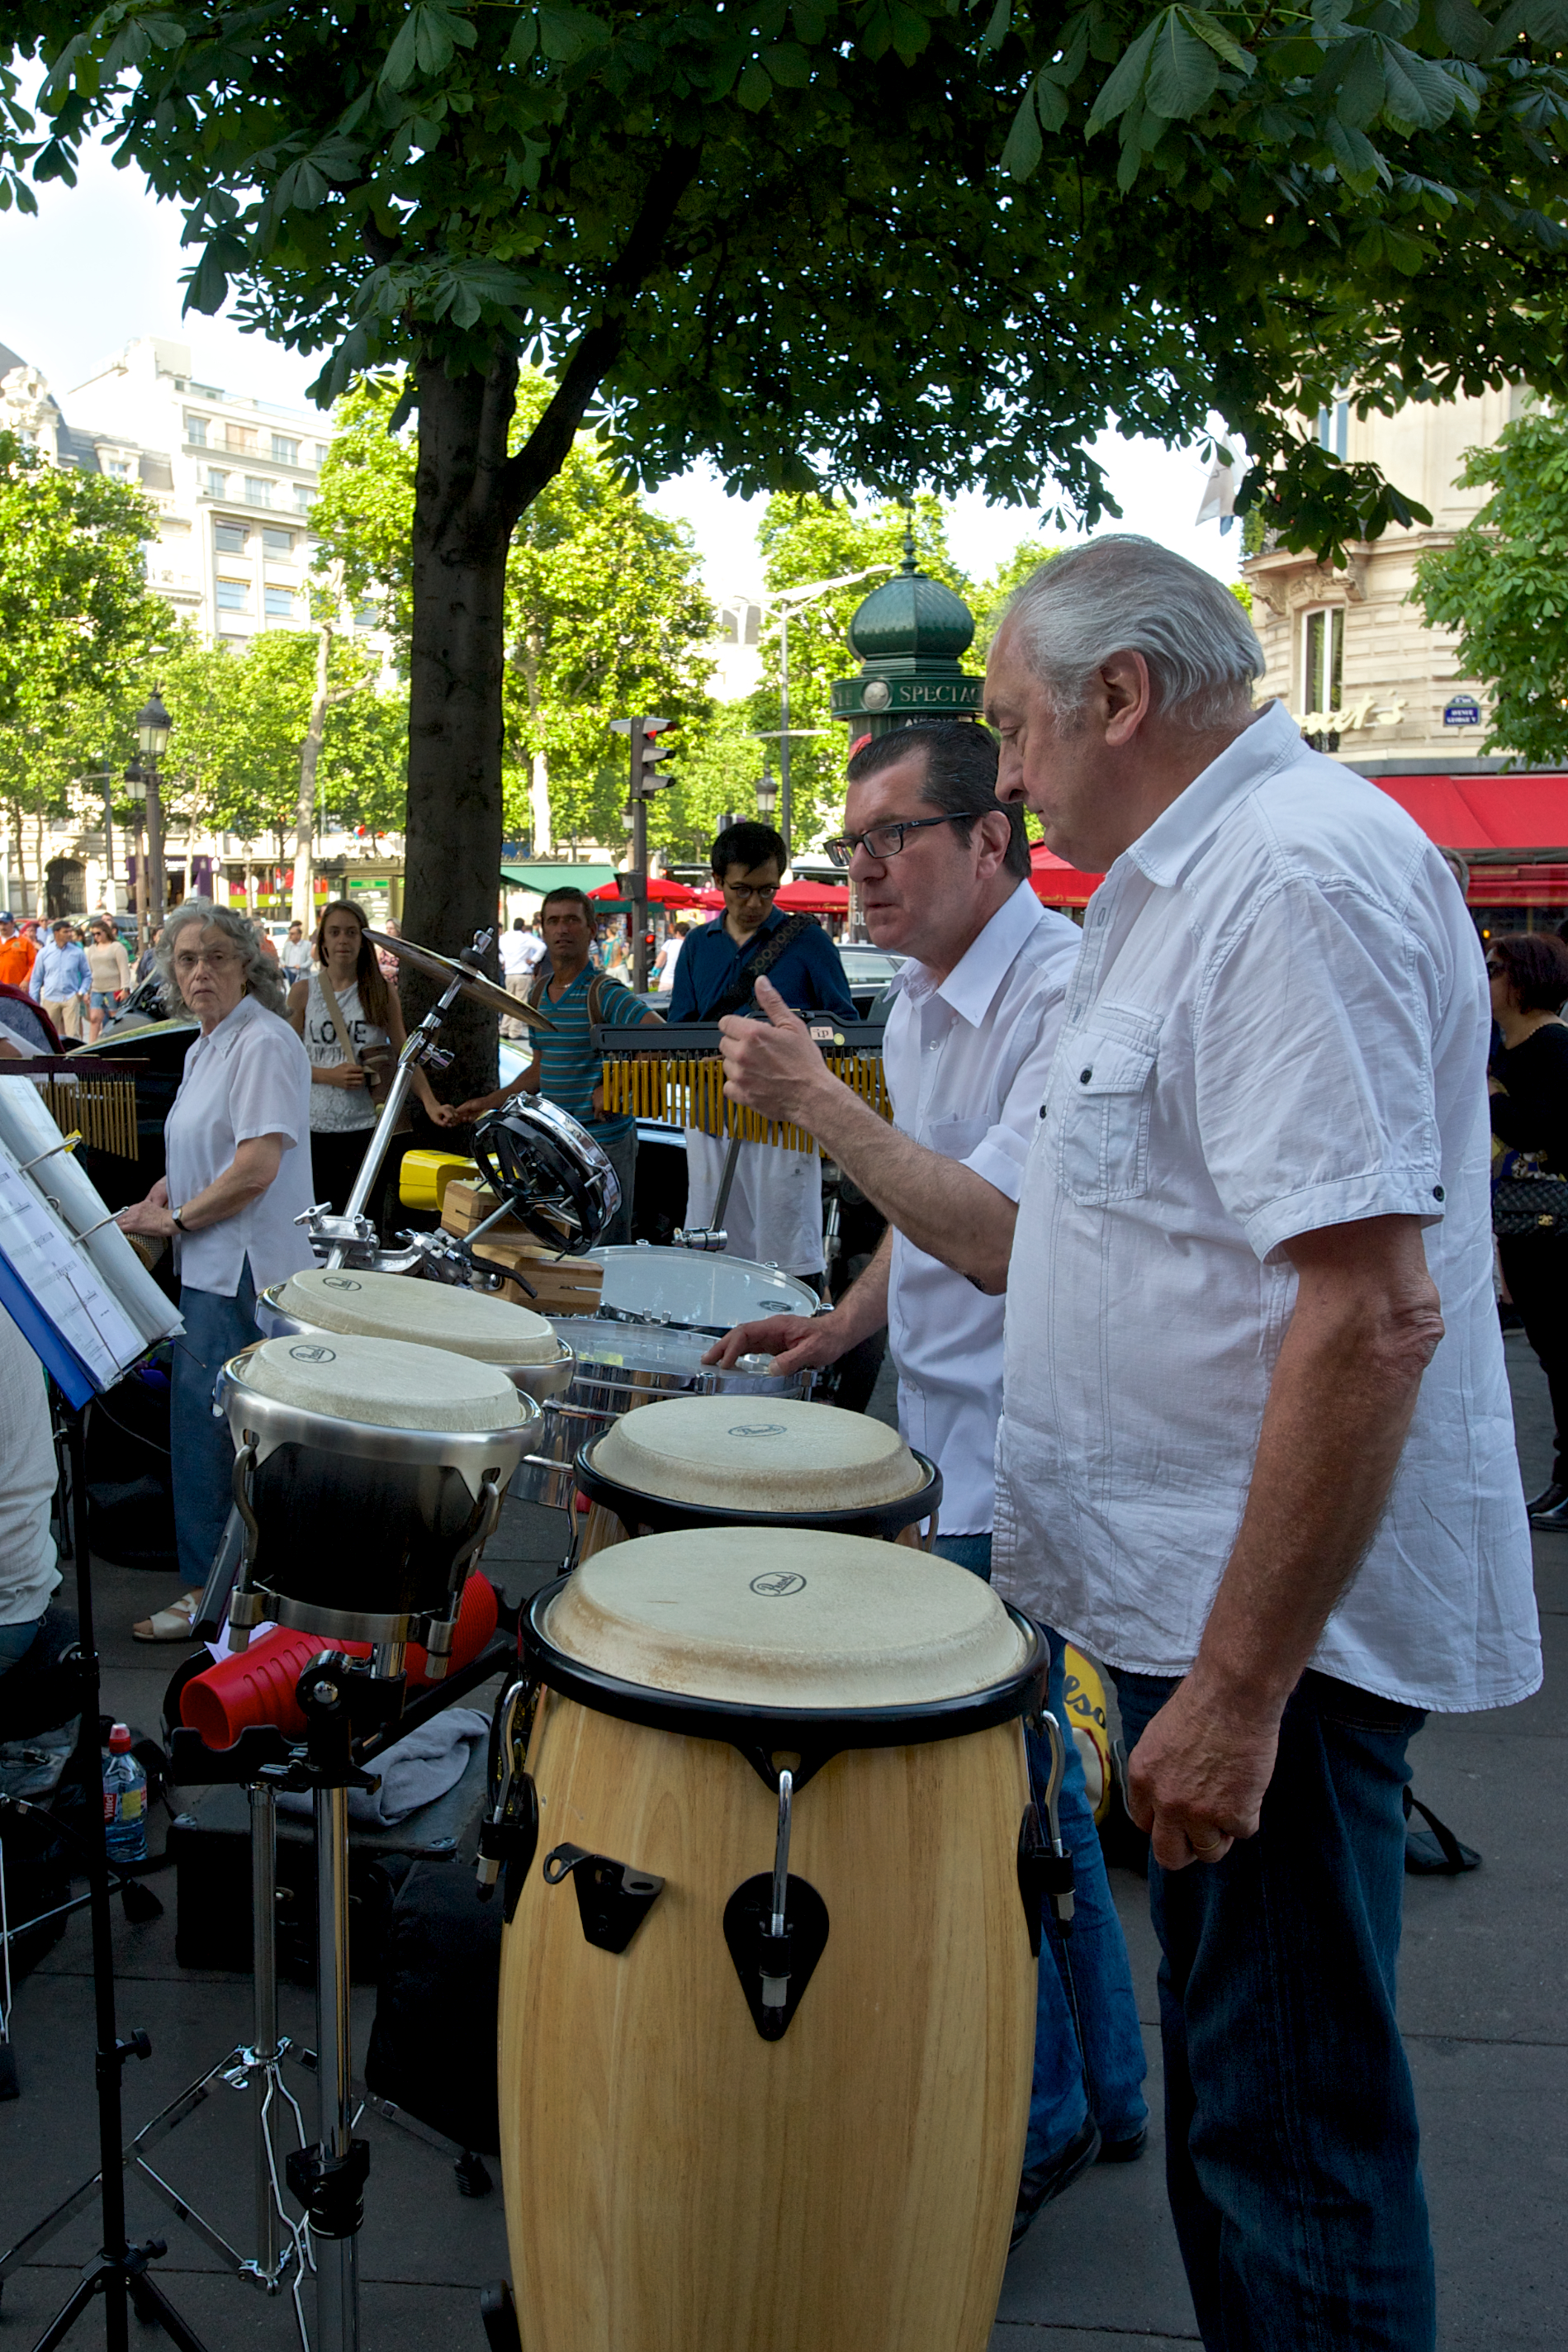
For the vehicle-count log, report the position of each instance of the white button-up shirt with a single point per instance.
(965, 1063)
(251, 1076)
(1280, 1023)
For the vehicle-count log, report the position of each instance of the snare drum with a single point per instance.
(620, 1365)
(701, 1461)
(323, 1303)
(697, 1292)
(711, 2139)
(369, 1474)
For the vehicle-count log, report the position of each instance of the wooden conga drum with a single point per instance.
(723, 1461)
(720, 2138)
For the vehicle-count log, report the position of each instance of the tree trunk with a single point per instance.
(462, 523)
(539, 806)
(302, 909)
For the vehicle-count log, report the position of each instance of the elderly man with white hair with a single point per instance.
(1256, 1448)
(237, 1150)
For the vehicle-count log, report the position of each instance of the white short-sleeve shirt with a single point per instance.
(250, 1077)
(965, 1060)
(1280, 1023)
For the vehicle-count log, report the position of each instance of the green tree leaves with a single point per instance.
(1502, 587)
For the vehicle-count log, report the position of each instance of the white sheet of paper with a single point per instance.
(64, 1280)
(27, 1130)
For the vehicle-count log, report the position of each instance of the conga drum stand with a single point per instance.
(338, 1697)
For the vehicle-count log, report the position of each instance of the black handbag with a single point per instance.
(1529, 1205)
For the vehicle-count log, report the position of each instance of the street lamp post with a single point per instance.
(136, 785)
(766, 792)
(785, 605)
(152, 731)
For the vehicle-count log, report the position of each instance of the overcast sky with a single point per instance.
(100, 264)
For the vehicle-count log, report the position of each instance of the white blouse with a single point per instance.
(250, 1077)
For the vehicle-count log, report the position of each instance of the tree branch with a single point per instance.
(547, 447)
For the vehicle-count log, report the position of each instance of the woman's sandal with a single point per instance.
(171, 1624)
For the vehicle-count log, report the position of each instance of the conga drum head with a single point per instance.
(384, 1384)
(426, 1314)
(786, 1618)
(790, 1458)
(703, 1293)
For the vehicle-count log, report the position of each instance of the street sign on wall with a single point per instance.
(1463, 711)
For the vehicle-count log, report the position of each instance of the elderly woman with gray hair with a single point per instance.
(238, 1158)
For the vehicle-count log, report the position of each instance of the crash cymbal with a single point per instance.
(444, 970)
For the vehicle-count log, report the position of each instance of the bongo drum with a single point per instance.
(765, 2065)
(362, 1305)
(704, 1461)
(369, 1474)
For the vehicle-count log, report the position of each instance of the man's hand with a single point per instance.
(474, 1107)
(794, 1341)
(770, 1065)
(1196, 1779)
(443, 1114)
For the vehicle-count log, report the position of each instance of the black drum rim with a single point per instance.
(661, 1516)
(814, 1734)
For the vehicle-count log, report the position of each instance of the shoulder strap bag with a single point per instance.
(742, 989)
(377, 1061)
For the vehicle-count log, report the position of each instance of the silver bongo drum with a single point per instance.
(368, 1476)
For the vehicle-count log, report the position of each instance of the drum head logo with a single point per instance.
(757, 1429)
(780, 1584)
(340, 1282)
(314, 1355)
(776, 1305)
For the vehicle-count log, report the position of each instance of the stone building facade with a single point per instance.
(1348, 651)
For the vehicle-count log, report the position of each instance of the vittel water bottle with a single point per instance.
(124, 1800)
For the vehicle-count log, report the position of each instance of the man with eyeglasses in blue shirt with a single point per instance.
(775, 1209)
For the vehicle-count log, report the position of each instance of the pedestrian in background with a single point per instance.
(18, 953)
(110, 975)
(296, 956)
(520, 953)
(62, 981)
(1528, 1086)
(346, 1017)
(384, 956)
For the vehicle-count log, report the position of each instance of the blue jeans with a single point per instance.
(1291, 2147)
(1110, 2066)
(216, 1328)
(620, 1149)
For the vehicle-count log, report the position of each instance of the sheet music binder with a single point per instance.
(70, 1279)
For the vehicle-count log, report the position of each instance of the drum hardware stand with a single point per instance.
(713, 1236)
(352, 1237)
(777, 1930)
(121, 2273)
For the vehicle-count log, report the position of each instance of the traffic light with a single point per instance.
(647, 735)
(649, 742)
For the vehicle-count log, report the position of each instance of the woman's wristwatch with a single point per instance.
(177, 1217)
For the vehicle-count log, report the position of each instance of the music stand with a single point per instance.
(42, 1304)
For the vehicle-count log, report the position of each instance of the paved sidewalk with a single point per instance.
(1482, 1999)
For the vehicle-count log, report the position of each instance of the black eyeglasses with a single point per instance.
(887, 840)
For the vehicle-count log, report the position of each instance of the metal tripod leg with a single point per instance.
(337, 2258)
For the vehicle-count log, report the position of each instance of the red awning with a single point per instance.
(1474, 812)
(811, 898)
(659, 892)
(1057, 883)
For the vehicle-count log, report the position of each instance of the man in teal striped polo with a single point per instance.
(565, 1068)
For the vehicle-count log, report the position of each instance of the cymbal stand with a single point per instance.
(352, 1235)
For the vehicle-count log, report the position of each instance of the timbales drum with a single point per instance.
(358, 1304)
(369, 1474)
(707, 1461)
(699, 1293)
(765, 2066)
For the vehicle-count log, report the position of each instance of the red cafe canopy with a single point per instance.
(812, 899)
(659, 892)
(1057, 883)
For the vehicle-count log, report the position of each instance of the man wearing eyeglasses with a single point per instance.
(774, 1213)
(943, 870)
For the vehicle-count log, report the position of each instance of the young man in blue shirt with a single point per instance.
(61, 980)
(565, 1068)
(775, 1209)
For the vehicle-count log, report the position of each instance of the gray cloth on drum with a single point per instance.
(421, 1768)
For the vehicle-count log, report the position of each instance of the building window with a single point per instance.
(217, 484)
(117, 469)
(241, 437)
(195, 431)
(320, 453)
(1324, 684)
(1333, 428)
(365, 616)
(277, 542)
(257, 490)
(285, 451)
(303, 494)
(278, 603)
(230, 538)
(234, 596)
